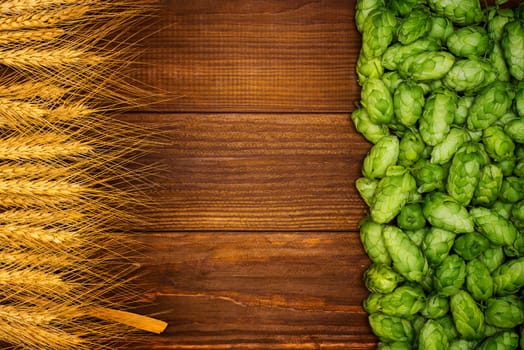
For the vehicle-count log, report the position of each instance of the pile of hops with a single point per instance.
(442, 103)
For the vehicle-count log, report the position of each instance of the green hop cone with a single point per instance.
(391, 328)
(397, 345)
(449, 327)
(417, 236)
(468, 318)
(517, 215)
(497, 19)
(515, 130)
(391, 195)
(489, 185)
(444, 151)
(441, 28)
(505, 340)
(372, 303)
(437, 244)
(428, 65)
(498, 62)
(366, 187)
(464, 175)
(369, 129)
(411, 148)
(408, 259)
(469, 41)
(380, 278)
(504, 312)
(380, 157)
(392, 80)
(512, 189)
(438, 114)
(444, 212)
(463, 105)
(519, 98)
(461, 12)
(492, 257)
(397, 53)
(373, 241)
(433, 336)
(494, 227)
(489, 105)
(508, 278)
(512, 42)
(408, 103)
(462, 344)
(429, 176)
(497, 143)
(377, 100)
(411, 217)
(378, 31)
(436, 306)
(362, 10)
(414, 26)
(470, 245)
(470, 75)
(450, 275)
(404, 301)
(478, 280)
(368, 68)
(502, 208)
(404, 7)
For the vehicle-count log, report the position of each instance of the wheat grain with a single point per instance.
(29, 280)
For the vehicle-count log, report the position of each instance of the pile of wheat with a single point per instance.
(64, 172)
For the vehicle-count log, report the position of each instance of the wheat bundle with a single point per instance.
(68, 173)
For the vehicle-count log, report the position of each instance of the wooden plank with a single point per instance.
(264, 172)
(256, 291)
(254, 56)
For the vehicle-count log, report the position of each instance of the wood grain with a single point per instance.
(257, 172)
(254, 56)
(253, 244)
(257, 290)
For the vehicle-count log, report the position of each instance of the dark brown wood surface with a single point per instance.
(254, 243)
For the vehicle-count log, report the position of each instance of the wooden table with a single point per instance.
(254, 243)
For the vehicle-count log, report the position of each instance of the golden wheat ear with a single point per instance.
(70, 173)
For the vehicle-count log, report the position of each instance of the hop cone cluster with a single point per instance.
(444, 176)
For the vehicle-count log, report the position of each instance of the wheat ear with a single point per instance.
(42, 19)
(16, 38)
(42, 146)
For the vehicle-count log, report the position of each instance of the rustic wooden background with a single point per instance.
(255, 242)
